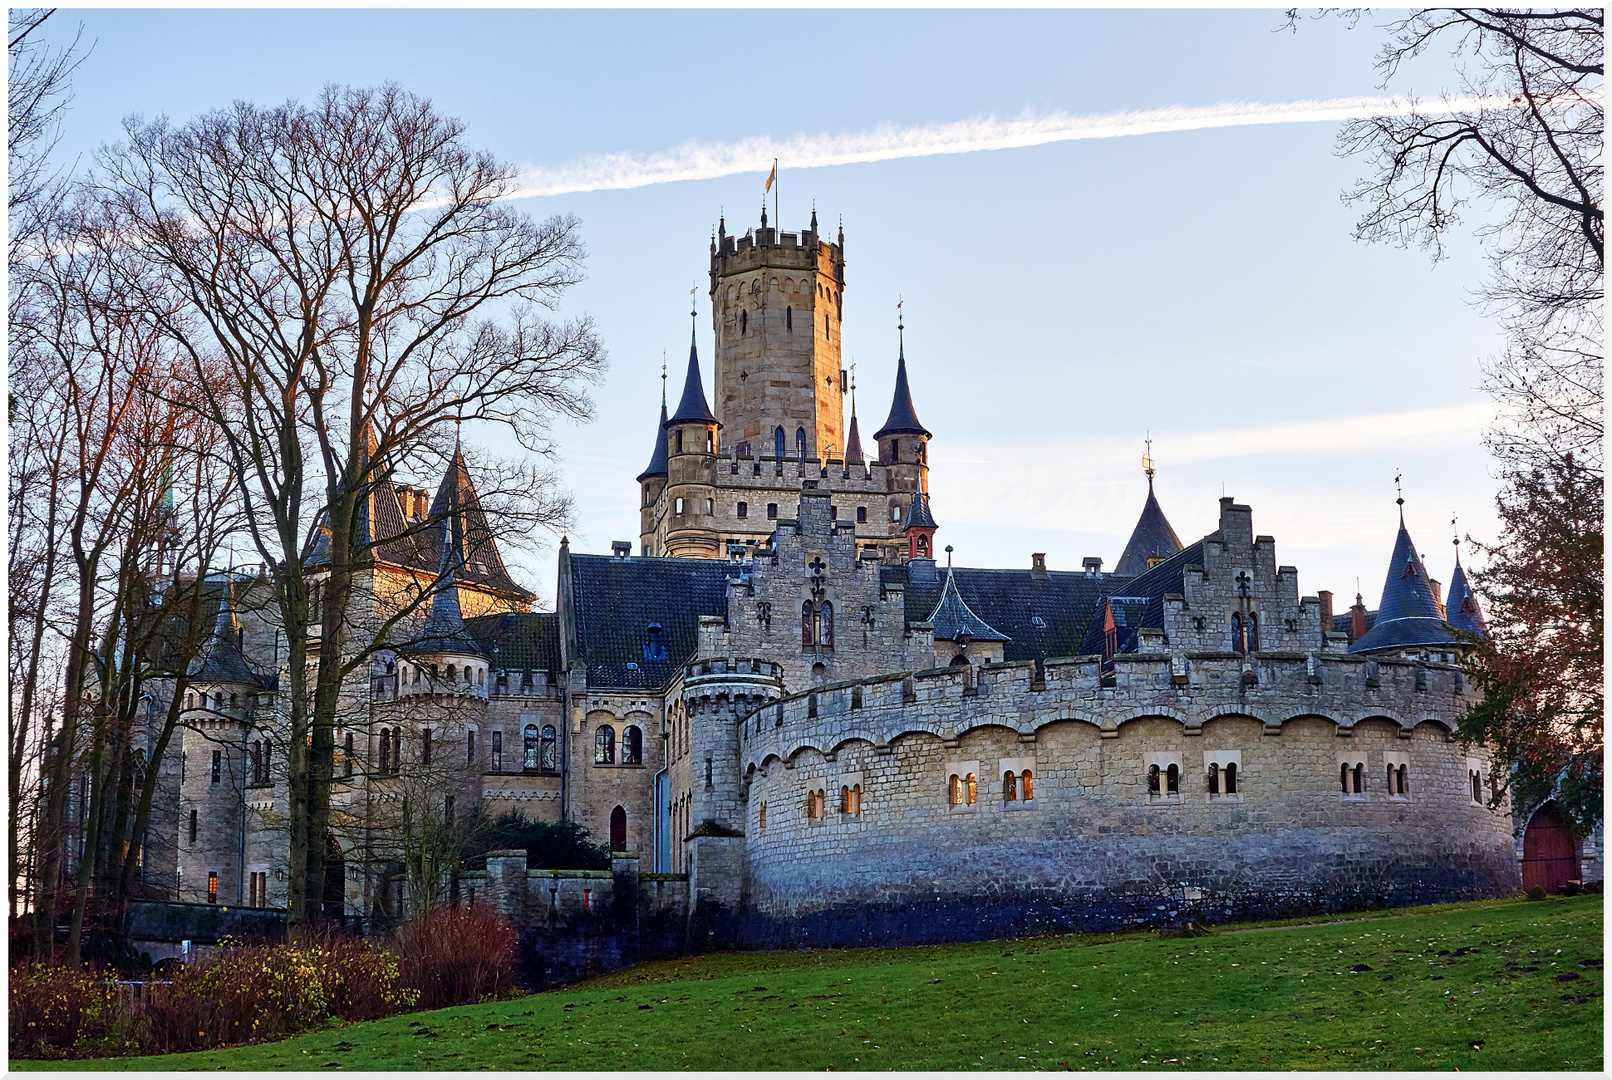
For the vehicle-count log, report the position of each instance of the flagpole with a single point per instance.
(779, 221)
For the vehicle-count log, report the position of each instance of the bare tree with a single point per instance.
(38, 92)
(1530, 156)
(350, 270)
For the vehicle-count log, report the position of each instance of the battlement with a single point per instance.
(1190, 688)
(773, 249)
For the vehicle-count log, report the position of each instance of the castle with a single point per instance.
(790, 705)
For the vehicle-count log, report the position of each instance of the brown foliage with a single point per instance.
(457, 956)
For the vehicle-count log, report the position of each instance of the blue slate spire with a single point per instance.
(853, 440)
(693, 407)
(657, 460)
(903, 419)
(222, 661)
(918, 515)
(1461, 609)
(1408, 615)
(445, 626)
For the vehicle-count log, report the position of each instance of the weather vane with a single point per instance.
(1147, 456)
(1400, 490)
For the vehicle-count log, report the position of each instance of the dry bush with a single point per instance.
(457, 956)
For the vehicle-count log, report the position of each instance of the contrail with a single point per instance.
(709, 161)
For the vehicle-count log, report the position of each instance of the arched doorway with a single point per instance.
(618, 829)
(335, 897)
(1549, 855)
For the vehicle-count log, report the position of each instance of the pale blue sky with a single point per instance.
(1060, 299)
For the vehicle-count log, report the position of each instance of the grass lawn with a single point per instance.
(1511, 985)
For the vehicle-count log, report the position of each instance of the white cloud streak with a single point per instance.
(710, 161)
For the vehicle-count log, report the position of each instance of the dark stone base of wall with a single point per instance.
(928, 920)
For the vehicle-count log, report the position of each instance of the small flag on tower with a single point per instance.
(771, 177)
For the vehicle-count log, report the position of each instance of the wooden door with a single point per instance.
(1549, 855)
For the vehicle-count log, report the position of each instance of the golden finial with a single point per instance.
(1147, 457)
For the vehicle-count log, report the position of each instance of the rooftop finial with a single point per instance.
(1147, 458)
(663, 378)
(948, 558)
(1401, 499)
(814, 217)
(853, 386)
(693, 312)
(1455, 538)
(901, 327)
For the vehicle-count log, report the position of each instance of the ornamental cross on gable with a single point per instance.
(1244, 584)
(819, 571)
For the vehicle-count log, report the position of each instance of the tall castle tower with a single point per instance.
(777, 300)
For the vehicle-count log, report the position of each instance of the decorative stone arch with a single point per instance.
(1153, 712)
(1375, 714)
(1445, 727)
(792, 756)
(1217, 712)
(1077, 716)
(912, 731)
(970, 726)
(768, 759)
(854, 737)
(1308, 714)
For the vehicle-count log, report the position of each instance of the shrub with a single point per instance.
(55, 1008)
(457, 956)
(1537, 893)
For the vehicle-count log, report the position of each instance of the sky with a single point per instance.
(1062, 300)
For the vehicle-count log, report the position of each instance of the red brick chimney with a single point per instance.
(1357, 619)
(1325, 596)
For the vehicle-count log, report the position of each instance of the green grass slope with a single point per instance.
(1512, 985)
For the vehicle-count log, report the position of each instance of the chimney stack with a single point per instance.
(1325, 596)
(1357, 620)
(1093, 566)
(1038, 564)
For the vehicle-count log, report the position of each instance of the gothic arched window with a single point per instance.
(1153, 779)
(1027, 783)
(386, 750)
(789, 318)
(604, 745)
(1404, 779)
(1360, 778)
(972, 783)
(954, 790)
(1231, 778)
(744, 320)
(1253, 632)
(1010, 785)
(529, 747)
(778, 444)
(806, 635)
(1239, 635)
(825, 625)
(1343, 777)
(800, 443)
(548, 758)
(1172, 780)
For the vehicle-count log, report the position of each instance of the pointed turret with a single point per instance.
(444, 630)
(919, 528)
(222, 661)
(1461, 609)
(1408, 615)
(657, 460)
(693, 408)
(1152, 541)
(458, 520)
(903, 419)
(853, 439)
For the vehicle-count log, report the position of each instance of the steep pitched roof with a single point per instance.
(221, 661)
(952, 617)
(444, 630)
(616, 600)
(1408, 615)
(657, 459)
(456, 512)
(1140, 601)
(518, 640)
(693, 406)
(1152, 538)
(1461, 607)
(1039, 617)
(903, 418)
(853, 440)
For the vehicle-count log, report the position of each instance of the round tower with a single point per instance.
(691, 445)
(777, 303)
(652, 481)
(904, 444)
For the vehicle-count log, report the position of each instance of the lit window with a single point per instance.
(212, 886)
(1026, 785)
(1010, 785)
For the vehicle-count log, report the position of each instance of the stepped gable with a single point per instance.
(657, 459)
(952, 617)
(1139, 602)
(221, 660)
(1461, 606)
(693, 408)
(1407, 616)
(456, 501)
(614, 601)
(518, 640)
(1011, 601)
(1152, 538)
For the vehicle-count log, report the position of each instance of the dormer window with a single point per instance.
(654, 647)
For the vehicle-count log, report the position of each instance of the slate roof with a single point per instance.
(1011, 601)
(444, 630)
(903, 418)
(221, 660)
(1408, 615)
(412, 544)
(1461, 606)
(1152, 538)
(615, 600)
(1140, 602)
(952, 617)
(693, 406)
(853, 441)
(518, 641)
(918, 515)
(1344, 624)
(657, 459)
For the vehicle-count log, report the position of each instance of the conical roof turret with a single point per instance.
(853, 438)
(1408, 615)
(953, 618)
(918, 515)
(222, 662)
(657, 460)
(445, 630)
(1152, 540)
(693, 407)
(1461, 607)
(903, 419)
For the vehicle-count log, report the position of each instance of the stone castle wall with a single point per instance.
(1093, 848)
